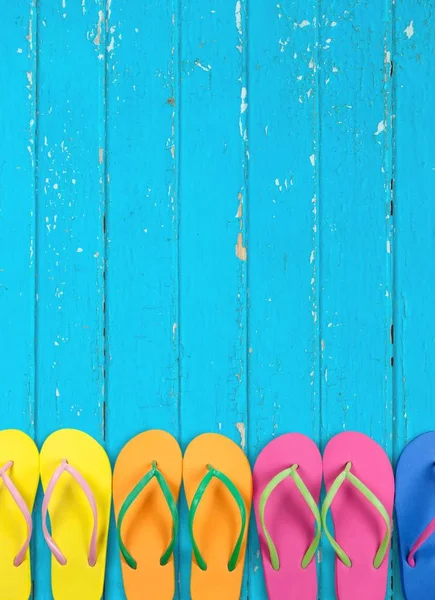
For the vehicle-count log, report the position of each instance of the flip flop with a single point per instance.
(287, 483)
(77, 481)
(359, 482)
(218, 485)
(19, 477)
(415, 512)
(146, 485)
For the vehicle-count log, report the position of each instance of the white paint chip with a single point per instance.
(313, 160)
(79, 250)
(238, 13)
(381, 127)
(203, 67)
(243, 96)
(409, 31)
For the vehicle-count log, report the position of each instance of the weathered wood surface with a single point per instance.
(217, 217)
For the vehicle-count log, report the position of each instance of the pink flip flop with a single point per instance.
(359, 482)
(287, 482)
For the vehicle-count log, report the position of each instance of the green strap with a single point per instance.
(194, 506)
(370, 496)
(133, 495)
(270, 487)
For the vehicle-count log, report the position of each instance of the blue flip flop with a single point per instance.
(415, 513)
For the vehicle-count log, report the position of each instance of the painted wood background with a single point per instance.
(217, 216)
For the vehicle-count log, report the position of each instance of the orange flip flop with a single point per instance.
(146, 486)
(218, 484)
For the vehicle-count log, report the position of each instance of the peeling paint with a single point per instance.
(238, 14)
(97, 38)
(29, 36)
(409, 31)
(203, 67)
(241, 250)
(381, 127)
(243, 104)
(239, 214)
(242, 430)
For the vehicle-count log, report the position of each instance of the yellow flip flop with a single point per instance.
(146, 484)
(218, 483)
(77, 481)
(19, 477)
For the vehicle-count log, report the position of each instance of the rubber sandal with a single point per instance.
(218, 484)
(146, 485)
(77, 481)
(19, 477)
(287, 483)
(415, 513)
(359, 482)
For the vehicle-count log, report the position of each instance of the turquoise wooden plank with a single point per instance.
(213, 213)
(283, 231)
(17, 215)
(142, 224)
(415, 220)
(17, 219)
(414, 214)
(70, 240)
(355, 226)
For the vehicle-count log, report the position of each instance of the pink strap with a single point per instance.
(21, 503)
(62, 468)
(430, 529)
